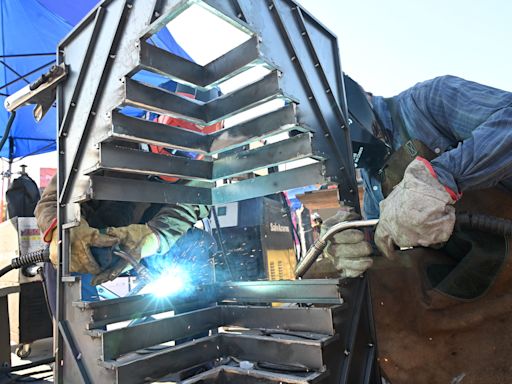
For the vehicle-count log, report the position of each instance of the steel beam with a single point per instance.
(298, 353)
(141, 191)
(304, 291)
(149, 98)
(233, 374)
(295, 148)
(128, 339)
(137, 130)
(275, 122)
(122, 159)
(157, 60)
(123, 340)
(272, 183)
(299, 319)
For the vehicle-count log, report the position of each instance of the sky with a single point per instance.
(388, 46)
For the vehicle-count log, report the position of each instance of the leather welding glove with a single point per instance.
(136, 239)
(157, 236)
(82, 238)
(348, 250)
(418, 212)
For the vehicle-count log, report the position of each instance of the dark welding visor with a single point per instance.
(369, 152)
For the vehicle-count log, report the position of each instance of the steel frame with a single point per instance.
(103, 53)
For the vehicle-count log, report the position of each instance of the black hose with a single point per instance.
(40, 256)
(485, 223)
(6, 269)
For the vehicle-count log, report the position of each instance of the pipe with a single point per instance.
(319, 245)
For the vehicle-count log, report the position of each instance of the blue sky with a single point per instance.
(390, 45)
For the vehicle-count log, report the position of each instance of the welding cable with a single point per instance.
(45, 291)
(40, 256)
(221, 242)
(484, 223)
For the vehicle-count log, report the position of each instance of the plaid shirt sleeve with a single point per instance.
(468, 124)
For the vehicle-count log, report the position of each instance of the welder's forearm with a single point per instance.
(482, 160)
(173, 221)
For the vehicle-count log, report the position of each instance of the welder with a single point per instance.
(442, 296)
(140, 229)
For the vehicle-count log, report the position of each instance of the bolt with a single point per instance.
(73, 104)
(346, 352)
(129, 6)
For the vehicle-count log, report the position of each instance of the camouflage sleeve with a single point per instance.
(46, 209)
(174, 220)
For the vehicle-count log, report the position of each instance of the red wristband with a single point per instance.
(454, 195)
(48, 234)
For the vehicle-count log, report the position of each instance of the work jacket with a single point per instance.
(467, 125)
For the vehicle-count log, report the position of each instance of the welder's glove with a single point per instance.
(348, 250)
(418, 212)
(136, 239)
(82, 239)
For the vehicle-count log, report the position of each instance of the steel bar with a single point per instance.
(73, 350)
(314, 320)
(123, 340)
(137, 130)
(252, 95)
(231, 374)
(142, 191)
(154, 99)
(295, 148)
(272, 183)
(153, 366)
(160, 61)
(305, 291)
(97, 24)
(303, 353)
(128, 339)
(278, 121)
(319, 245)
(92, 104)
(116, 158)
(149, 132)
(149, 98)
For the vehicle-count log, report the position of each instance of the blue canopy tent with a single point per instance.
(30, 32)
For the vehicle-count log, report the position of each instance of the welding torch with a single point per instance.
(319, 245)
(476, 221)
(145, 276)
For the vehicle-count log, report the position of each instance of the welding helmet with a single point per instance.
(369, 145)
